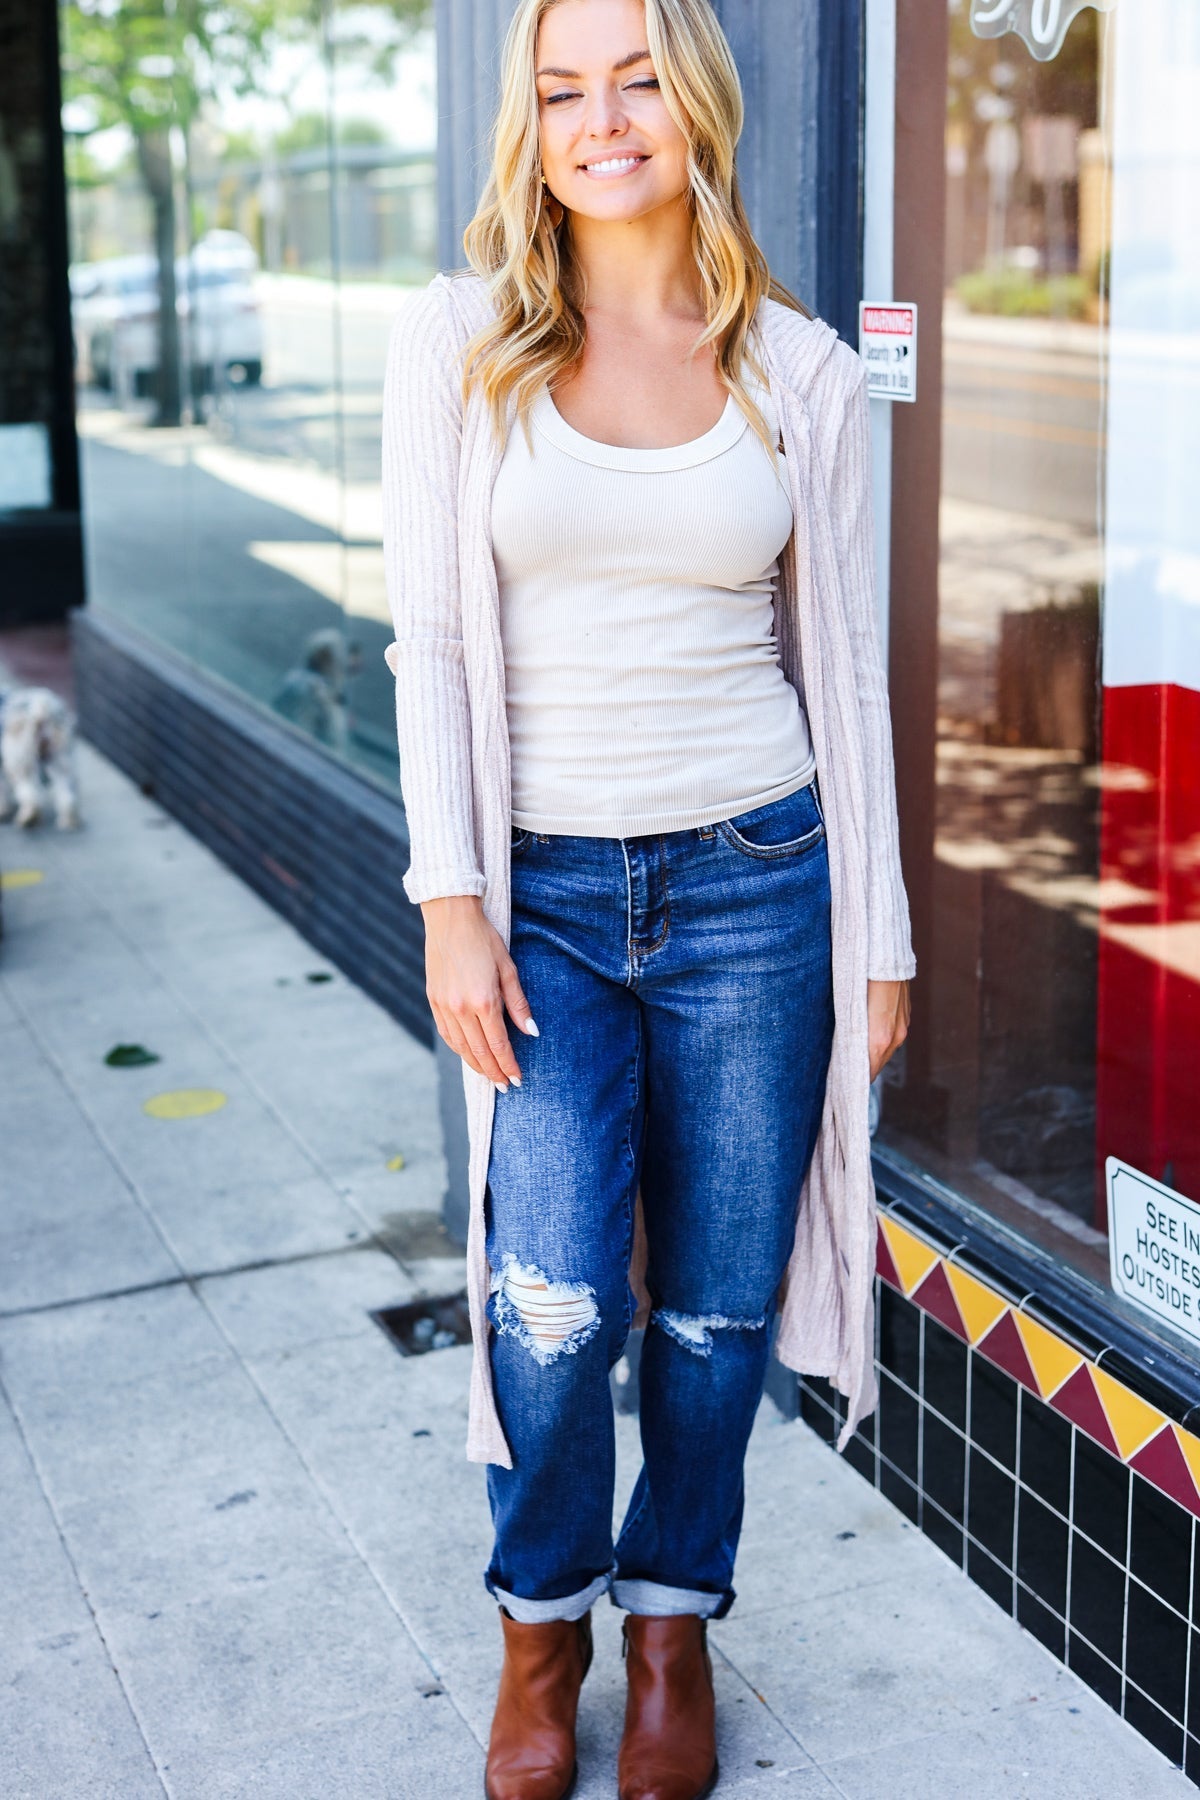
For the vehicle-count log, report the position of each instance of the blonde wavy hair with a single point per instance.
(539, 331)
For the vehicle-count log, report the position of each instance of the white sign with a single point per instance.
(887, 343)
(1154, 1247)
(1042, 23)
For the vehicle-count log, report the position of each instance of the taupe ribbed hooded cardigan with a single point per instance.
(439, 465)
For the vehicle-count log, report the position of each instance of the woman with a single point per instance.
(628, 545)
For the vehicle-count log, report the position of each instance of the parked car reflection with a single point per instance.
(115, 310)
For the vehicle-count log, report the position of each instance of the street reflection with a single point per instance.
(231, 457)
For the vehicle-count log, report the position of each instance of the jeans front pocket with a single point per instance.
(782, 828)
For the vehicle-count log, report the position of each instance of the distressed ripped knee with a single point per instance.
(694, 1330)
(550, 1318)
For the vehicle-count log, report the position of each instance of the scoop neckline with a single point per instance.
(719, 437)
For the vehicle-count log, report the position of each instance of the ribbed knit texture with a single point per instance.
(644, 690)
(439, 467)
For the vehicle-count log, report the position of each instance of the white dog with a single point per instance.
(37, 738)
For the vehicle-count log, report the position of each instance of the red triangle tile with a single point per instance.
(936, 1296)
(1003, 1346)
(1078, 1401)
(1161, 1461)
(883, 1262)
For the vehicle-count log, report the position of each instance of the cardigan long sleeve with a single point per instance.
(844, 443)
(422, 434)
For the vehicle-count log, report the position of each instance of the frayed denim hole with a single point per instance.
(548, 1318)
(694, 1331)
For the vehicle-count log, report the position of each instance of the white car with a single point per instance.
(220, 326)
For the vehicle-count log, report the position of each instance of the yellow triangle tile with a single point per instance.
(980, 1306)
(1133, 1420)
(1191, 1451)
(1052, 1361)
(912, 1257)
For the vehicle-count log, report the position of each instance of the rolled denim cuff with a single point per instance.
(539, 1612)
(655, 1600)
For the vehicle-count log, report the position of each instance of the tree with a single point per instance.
(153, 65)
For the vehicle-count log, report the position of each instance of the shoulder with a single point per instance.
(439, 318)
(808, 358)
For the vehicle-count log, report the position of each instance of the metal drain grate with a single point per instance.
(423, 1325)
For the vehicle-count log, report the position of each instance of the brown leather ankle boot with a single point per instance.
(669, 1748)
(531, 1753)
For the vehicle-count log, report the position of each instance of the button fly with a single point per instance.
(649, 908)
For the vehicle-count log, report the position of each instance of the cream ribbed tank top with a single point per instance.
(643, 682)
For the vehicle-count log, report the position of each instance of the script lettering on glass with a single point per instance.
(1041, 24)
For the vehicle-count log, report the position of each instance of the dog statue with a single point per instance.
(37, 740)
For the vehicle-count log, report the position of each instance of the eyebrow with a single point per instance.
(626, 62)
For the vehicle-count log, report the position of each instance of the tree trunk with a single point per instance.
(154, 159)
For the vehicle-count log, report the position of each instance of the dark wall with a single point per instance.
(39, 548)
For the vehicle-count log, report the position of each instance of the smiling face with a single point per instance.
(610, 149)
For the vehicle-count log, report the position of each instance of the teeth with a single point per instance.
(615, 162)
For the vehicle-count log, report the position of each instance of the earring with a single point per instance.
(554, 207)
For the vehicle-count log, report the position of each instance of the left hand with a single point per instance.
(888, 1012)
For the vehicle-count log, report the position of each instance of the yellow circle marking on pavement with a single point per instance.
(15, 878)
(185, 1103)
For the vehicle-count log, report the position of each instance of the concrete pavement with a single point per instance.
(241, 1547)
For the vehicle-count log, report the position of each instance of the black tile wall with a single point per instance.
(1101, 1497)
(1097, 1598)
(1042, 1552)
(1160, 1544)
(991, 1500)
(1163, 1731)
(994, 1411)
(1099, 1675)
(1156, 1650)
(944, 1462)
(1093, 1560)
(944, 1372)
(898, 1424)
(1045, 1458)
(1045, 1625)
(899, 1337)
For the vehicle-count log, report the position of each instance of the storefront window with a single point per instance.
(1063, 967)
(260, 178)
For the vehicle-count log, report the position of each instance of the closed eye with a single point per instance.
(649, 83)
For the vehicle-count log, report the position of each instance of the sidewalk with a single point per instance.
(242, 1547)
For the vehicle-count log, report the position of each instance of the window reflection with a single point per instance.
(1065, 968)
(1016, 897)
(283, 177)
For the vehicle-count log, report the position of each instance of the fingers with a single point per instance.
(490, 1021)
(475, 1030)
(514, 998)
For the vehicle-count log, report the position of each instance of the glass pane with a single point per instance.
(261, 181)
(1065, 969)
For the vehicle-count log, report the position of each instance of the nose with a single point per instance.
(605, 114)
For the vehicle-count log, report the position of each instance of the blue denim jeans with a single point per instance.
(681, 984)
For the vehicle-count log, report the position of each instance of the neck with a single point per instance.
(639, 270)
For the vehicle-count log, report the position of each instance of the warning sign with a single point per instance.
(887, 343)
(1154, 1247)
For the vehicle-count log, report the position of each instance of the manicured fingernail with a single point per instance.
(516, 1080)
(530, 1029)
(501, 1087)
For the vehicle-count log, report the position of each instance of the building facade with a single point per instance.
(1019, 180)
